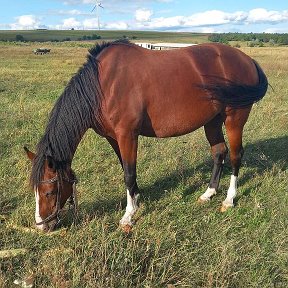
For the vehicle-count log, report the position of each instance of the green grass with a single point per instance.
(175, 241)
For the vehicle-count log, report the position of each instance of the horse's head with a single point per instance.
(52, 191)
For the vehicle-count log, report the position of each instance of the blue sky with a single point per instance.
(161, 15)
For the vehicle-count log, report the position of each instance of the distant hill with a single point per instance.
(86, 35)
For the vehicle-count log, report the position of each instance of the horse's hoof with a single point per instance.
(226, 207)
(202, 200)
(126, 228)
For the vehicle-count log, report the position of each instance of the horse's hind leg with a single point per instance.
(234, 123)
(214, 134)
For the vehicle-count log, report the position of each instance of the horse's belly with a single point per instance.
(176, 124)
(169, 130)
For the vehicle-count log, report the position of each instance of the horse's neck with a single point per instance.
(74, 143)
(62, 139)
(75, 111)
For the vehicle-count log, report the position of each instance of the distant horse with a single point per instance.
(123, 91)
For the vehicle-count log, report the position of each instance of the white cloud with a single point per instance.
(261, 15)
(68, 12)
(169, 22)
(143, 15)
(217, 18)
(120, 25)
(276, 30)
(207, 30)
(236, 17)
(69, 23)
(195, 20)
(90, 23)
(25, 22)
(213, 17)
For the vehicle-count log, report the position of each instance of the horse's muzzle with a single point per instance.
(48, 227)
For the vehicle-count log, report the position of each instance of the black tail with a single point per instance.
(237, 95)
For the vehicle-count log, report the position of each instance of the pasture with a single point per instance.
(176, 242)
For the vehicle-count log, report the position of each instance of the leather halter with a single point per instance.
(72, 199)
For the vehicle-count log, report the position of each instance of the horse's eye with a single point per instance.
(49, 193)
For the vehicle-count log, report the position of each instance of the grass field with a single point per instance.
(59, 35)
(176, 242)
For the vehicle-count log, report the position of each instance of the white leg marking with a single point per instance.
(231, 193)
(207, 195)
(131, 209)
(37, 211)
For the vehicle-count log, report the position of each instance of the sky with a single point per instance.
(160, 15)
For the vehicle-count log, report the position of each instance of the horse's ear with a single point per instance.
(30, 154)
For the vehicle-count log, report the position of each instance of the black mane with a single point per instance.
(76, 110)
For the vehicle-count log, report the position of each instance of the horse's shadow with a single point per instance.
(261, 156)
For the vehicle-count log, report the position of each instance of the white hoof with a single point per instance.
(205, 197)
(125, 221)
(203, 200)
(131, 209)
(126, 224)
(226, 206)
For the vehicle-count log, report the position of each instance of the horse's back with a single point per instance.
(159, 92)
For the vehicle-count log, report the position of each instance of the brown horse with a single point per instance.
(124, 91)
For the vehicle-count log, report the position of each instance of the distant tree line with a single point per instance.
(20, 38)
(88, 37)
(256, 38)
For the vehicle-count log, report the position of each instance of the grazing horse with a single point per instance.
(123, 91)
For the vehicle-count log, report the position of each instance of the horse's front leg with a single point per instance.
(128, 149)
